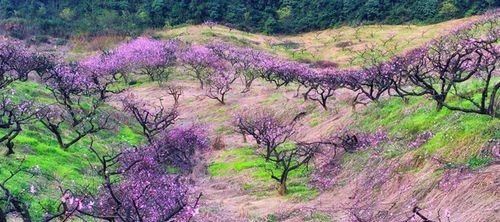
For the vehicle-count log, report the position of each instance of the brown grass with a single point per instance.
(406, 181)
(323, 45)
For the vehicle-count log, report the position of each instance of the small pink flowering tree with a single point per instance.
(243, 61)
(13, 116)
(152, 118)
(219, 84)
(268, 129)
(461, 57)
(135, 184)
(279, 71)
(105, 70)
(322, 84)
(451, 61)
(272, 134)
(291, 157)
(441, 68)
(16, 64)
(200, 62)
(407, 69)
(375, 81)
(181, 147)
(247, 67)
(147, 192)
(77, 107)
(151, 57)
(154, 58)
(175, 92)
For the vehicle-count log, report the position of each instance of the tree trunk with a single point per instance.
(22, 210)
(268, 153)
(440, 101)
(10, 148)
(3, 216)
(201, 83)
(323, 103)
(283, 190)
(58, 135)
(297, 93)
(306, 94)
(406, 100)
(439, 106)
(244, 138)
(492, 108)
(222, 100)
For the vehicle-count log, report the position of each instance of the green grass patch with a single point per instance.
(457, 135)
(130, 136)
(301, 192)
(294, 54)
(40, 151)
(317, 117)
(275, 97)
(245, 161)
(318, 217)
(209, 33)
(479, 161)
(356, 162)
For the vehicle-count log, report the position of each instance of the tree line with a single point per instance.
(68, 17)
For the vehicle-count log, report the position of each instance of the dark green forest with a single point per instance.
(21, 18)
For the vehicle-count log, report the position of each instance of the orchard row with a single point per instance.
(135, 183)
(440, 70)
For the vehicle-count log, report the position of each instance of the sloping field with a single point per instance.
(444, 162)
(341, 45)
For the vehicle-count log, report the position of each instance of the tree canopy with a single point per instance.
(66, 17)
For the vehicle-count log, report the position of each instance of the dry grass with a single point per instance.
(407, 181)
(326, 44)
(341, 45)
(82, 46)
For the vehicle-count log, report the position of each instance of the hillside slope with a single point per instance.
(442, 162)
(341, 45)
(450, 174)
(344, 46)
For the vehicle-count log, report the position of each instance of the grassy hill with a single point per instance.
(39, 152)
(407, 168)
(451, 171)
(341, 45)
